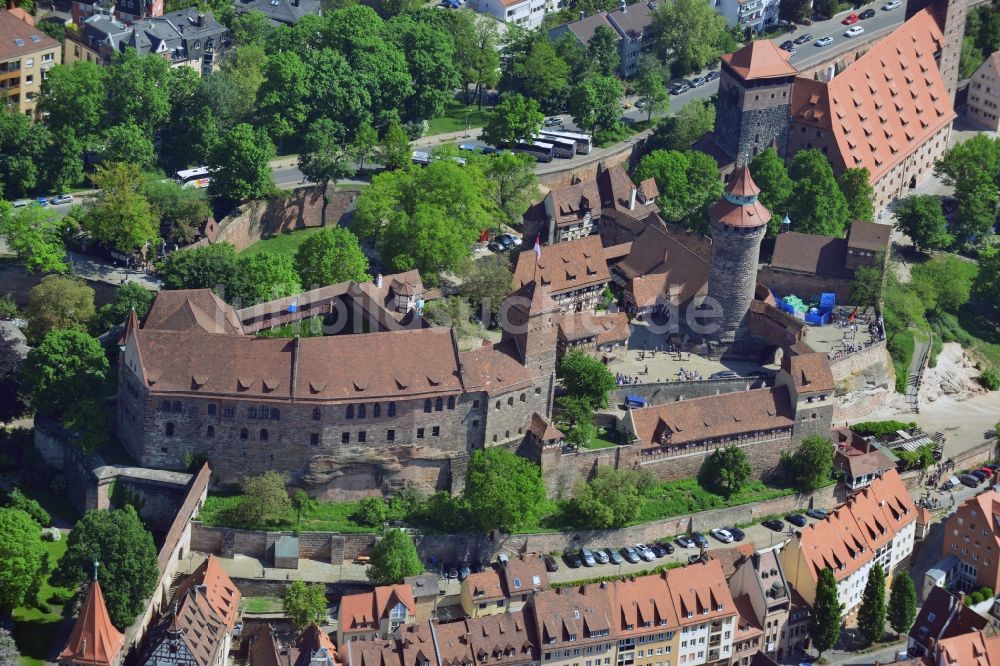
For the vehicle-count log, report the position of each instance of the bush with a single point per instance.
(990, 379)
(18, 500)
(372, 511)
(881, 428)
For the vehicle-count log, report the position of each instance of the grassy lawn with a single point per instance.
(260, 604)
(604, 439)
(36, 627)
(322, 517)
(286, 243)
(454, 118)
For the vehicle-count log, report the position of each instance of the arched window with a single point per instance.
(523, 397)
(510, 401)
(244, 433)
(350, 412)
(170, 429)
(275, 414)
(391, 410)
(438, 405)
(263, 434)
(427, 405)
(210, 432)
(361, 411)
(506, 435)
(376, 410)
(451, 402)
(317, 414)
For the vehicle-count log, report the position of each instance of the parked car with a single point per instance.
(495, 247)
(587, 557)
(854, 31)
(867, 14)
(679, 88)
(658, 550)
(572, 559)
(550, 564)
(818, 514)
(42, 201)
(737, 533)
(824, 41)
(969, 480)
(667, 546)
(724, 374)
(694, 559)
(601, 556)
(644, 552)
(802, 39)
(850, 19)
(614, 556)
(552, 122)
(699, 539)
(21, 204)
(508, 240)
(774, 524)
(722, 535)
(796, 519)
(632, 557)
(987, 471)
(711, 76)
(62, 199)
(892, 4)
(684, 541)
(698, 82)
(979, 475)
(787, 45)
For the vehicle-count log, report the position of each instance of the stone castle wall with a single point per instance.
(664, 392)
(804, 285)
(733, 273)
(864, 382)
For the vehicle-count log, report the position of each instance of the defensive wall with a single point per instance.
(663, 392)
(864, 380)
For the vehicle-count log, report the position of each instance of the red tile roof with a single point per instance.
(94, 641)
(497, 639)
(572, 203)
(743, 185)
(543, 429)
(364, 612)
(30, 39)
(869, 236)
(700, 593)
(661, 267)
(566, 266)
(734, 212)
(312, 647)
(825, 256)
(760, 59)
(975, 649)
(810, 373)
(484, 585)
(884, 106)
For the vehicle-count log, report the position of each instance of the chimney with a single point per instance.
(201, 20)
(378, 281)
(631, 201)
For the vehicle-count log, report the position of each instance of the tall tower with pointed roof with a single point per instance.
(94, 641)
(755, 95)
(738, 223)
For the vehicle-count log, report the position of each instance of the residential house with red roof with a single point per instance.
(972, 535)
(312, 647)
(376, 614)
(874, 525)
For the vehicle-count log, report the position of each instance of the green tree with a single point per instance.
(487, 284)
(128, 143)
(240, 164)
(794, 11)
(688, 182)
(123, 547)
(63, 166)
(485, 65)
(365, 142)
(138, 89)
(18, 500)
(817, 205)
(986, 285)
(305, 603)
(585, 377)
(394, 149)
(250, 28)
(857, 189)
(34, 235)
(231, 92)
(602, 51)
(610, 499)
(725, 471)
(372, 511)
(531, 66)
(868, 284)
(181, 210)
(503, 489)
(513, 119)
(122, 216)
(22, 559)
(771, 175)
(265, 501)
(323, 159)
(206, 267)
(74, 96)
(22, 146)
(65, 368)
(596, 106)
(331, 256)
(973, 168)
(871, 615)
(921, 218)
(825, 7)
(650, 87)
(394, 558)
(430, 56)
(11, 404)
(942, 283)
(810, 466)
(265, 276)
(302, 503)
(690, 34)
(58, 302)
(902, 609)
(579, 415)
(827, 613)
(513, 184)
(128, 296)
(679, 132)
(282, 99)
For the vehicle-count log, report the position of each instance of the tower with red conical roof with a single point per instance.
(738, 224)
(94, 641)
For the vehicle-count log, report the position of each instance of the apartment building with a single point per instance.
(26, 56)
(875, 525)
(749, 15)
(631, 25)
(482, 596)
(983, 105)
(761, 593)
(972, 535)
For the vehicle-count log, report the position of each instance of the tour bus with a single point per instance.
(197, 177)
(583, 141)
(424, 158)
(560, 147)
(541, 153)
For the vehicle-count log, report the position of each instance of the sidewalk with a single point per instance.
(96, 269)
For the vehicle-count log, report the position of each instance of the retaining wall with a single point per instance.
(865, 381)
(663, 392)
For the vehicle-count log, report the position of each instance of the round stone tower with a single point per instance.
(738, 223)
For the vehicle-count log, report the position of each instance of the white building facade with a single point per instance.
(755, 15)
(527, 14)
